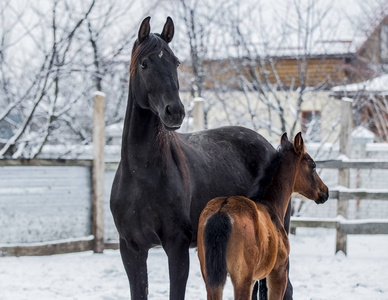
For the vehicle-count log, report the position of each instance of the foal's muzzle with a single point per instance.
(322, 197)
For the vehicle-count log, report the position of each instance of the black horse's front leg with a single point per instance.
(260, 289)
(255, 290)
(135, 265)
(177, 250)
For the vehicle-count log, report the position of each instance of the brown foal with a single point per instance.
(245, 238)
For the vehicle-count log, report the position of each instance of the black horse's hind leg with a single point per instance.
(178, 264)
(287, 221)
(263, 289)
(255, 290)
(135, 264)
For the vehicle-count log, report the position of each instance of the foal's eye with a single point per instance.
(313, 166)
(143, 64)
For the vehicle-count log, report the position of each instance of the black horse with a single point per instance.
(164, 178)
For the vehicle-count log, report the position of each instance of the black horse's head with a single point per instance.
(154, 76)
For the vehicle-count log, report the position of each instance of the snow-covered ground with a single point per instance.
(316, 272)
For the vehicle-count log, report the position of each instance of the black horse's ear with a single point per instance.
(284, 139)
(299, 144)
(168, 31)
(144, 30)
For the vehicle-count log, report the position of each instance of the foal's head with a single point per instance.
(307, 181)
(154, 76)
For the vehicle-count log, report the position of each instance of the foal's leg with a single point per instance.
(263, 290)
(214, 294)
(242, 287)
(277, 283)
(135, 264)
(177, 250)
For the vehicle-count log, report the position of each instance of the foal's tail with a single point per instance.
(216, 236)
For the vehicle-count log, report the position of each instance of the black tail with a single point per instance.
(216, 236)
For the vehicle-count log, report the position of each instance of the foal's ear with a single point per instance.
(299, 144)
(168, 31)
(284, 139)
(144, 30)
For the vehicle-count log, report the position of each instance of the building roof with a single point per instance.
(377, 85)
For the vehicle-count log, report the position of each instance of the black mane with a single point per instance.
(262, 183)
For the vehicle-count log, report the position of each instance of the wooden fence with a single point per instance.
(88, 242)
(344, 194)
(95, 241)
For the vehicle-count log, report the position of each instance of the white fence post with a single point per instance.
(98, 171)
(199, 115)
(343, 174)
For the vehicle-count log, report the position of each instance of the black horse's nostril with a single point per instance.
(168, 110)
(172, 116)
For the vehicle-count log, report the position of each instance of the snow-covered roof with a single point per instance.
(361, 135)
(362, 132)
(376, 85)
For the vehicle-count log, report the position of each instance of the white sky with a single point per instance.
(262, 20)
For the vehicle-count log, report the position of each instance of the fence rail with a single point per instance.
(353, 164)
(47, 162)
(358, 193)
(48, 248)
(365, 226)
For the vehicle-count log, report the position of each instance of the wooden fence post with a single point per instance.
(343, 174)
(199, 115)
(98, 171)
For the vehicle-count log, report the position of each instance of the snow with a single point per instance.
(341, 188)
(99, 94)
(377, 147)
(377, 85)
(316, 272)
(343, 157)
(346, 99)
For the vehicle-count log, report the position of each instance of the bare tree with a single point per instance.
(202, 22)
(256, 55)
(66, 51)
(39, 102)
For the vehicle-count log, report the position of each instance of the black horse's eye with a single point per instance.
(143, 64)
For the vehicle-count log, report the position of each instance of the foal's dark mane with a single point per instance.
(262, 183)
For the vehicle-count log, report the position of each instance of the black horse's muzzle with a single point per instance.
(172, 113)
(173, 116)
